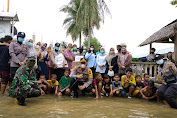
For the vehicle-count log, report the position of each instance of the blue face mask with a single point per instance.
(20, 39)
(102, 52)
(84, 51)
(57, 48)
(160, 62)
(29, 44)
(74, 48)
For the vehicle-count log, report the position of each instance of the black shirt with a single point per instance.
(140, 85)
(4, 58)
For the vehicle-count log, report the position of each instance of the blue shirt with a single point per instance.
(91, 59)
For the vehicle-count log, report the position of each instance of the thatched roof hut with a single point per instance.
(163, 35)
(167, 34)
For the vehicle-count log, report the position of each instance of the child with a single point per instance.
(97, 84)
(117, 86)
(139, 86)
(128, 82)
(44, 84)
(107, 86)
(53, 84)
(146, 79)
(64, 83)
(149, 92)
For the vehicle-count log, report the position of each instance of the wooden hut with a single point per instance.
(167, 34)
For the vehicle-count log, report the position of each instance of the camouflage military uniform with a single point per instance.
(23, 84)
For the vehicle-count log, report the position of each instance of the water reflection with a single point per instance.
(50, 106)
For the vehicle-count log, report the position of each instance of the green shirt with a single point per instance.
(64, 82)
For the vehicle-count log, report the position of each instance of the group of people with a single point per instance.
(32, 70)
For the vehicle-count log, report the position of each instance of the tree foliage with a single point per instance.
(174, 2)
(93, 41)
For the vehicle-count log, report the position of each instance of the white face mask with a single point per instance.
(91, 49)
(83, 65)
(160, 62)
(37, 46)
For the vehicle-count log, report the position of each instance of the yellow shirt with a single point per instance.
(131, 81)
(53, 84)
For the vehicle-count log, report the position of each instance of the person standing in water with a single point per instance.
(25, 84)
(4, 64)
(19, 53)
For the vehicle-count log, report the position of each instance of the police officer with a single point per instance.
(18, 52)
(82, 78)
(168, 90)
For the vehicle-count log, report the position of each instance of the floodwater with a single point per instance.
(50, 106)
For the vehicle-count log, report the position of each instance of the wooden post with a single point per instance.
(8, 2)
(175, 46)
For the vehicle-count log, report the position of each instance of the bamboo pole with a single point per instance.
(8, 2)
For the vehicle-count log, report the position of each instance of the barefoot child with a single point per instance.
(149, 92)
(64, 83)
(53, 85)
(107, 86)
(97, 84)
(146, 79)
(44, 84)
(117, 86)
(139, 86)
(128, 82)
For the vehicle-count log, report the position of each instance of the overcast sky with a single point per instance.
(132, 21)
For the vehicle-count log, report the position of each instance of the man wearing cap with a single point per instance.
(18, 52)
(24, 84)
(82, 78)
(59, 62)
(168, 90)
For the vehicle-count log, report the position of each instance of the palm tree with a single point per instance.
(90, 14)
(70, 22)
(174, 2)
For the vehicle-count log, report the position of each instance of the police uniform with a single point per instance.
(85, 81)
(19, 53)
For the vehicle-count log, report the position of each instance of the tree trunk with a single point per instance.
(80, 39)
(89, 35)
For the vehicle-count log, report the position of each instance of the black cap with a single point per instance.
(21, 34)
(158, 56)
(57, 44)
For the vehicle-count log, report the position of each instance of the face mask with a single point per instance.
(74, 48)
(160, 62)
(102, 52)
(83, 66)
(37, 46)
(119, 50)
(43, 48)
(29, 44)
(123, 52)
(30, 64)
(57, 48)
(84, 51)
(20, 39)
(91, 49)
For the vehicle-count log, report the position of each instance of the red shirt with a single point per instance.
(95, 82)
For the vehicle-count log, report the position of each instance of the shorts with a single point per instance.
(127, 89)
(5, 77)
(52, 90)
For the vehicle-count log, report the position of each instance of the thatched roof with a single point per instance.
(163, 35)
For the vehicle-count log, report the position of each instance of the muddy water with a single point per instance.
(50, 106)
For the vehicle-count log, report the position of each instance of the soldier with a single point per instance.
(82, 78)
(18, 52)
(24, 84)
